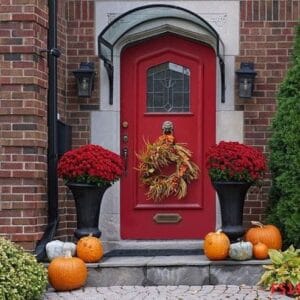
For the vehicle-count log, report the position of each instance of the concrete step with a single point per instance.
(173, 270)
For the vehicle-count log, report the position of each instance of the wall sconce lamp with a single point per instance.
(246, 76)
(85, 79)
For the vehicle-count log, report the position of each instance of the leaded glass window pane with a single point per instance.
(168, 88)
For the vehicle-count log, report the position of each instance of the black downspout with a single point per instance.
(52, 155)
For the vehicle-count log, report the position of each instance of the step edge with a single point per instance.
(183, 262)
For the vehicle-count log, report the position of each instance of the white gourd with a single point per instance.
(241, 250)
(58, 248)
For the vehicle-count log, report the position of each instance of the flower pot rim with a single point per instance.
(232, 182)
(82, 184)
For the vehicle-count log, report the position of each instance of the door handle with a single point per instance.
(125, 157)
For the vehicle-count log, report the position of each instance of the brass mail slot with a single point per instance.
(167, 218)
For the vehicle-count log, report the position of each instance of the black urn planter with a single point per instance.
(232, 197)
(88, 198)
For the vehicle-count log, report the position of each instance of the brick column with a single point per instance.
(23, 123)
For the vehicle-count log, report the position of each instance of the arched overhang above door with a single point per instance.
(132, 19)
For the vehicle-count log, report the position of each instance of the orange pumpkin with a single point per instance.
(89, 249)
(216, 245)
(260, 251)
(266, 234)
(67, 273)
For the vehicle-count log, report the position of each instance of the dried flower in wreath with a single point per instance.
(159, 155)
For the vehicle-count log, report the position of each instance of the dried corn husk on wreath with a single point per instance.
(162, 153)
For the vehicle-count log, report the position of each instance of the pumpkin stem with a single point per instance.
(257, 223)
(68, 253)
(219, 230)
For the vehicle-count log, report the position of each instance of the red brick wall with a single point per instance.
(266, 29)
(76, 42)
(23, 110)
(80, 45)
(81, 48)
(23, 124)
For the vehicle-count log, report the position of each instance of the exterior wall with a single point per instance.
(266, 34)
(23, 123)
(266, 39)
(23, 110)
(80, 45)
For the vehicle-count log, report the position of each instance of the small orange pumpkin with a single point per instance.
(266, 234)
(67, 273)
(216, 245)
(260, 251)
(89, 249)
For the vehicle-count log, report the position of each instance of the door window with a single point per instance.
(168, 88)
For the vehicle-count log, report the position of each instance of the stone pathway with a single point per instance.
(181, 292)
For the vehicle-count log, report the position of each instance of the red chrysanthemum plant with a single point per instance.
(91, 164)
(232, 161)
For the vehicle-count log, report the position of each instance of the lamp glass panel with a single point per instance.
(245, 87)
(84, 86)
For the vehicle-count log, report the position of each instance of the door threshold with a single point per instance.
(153, 252)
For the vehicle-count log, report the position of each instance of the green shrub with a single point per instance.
(21, 276)
(284, 206)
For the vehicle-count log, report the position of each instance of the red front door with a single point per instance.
(167, 78)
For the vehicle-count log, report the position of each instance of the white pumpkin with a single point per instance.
(58, 248)
(241, 250)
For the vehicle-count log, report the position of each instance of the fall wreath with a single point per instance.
(160, 154)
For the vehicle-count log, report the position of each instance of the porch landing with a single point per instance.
(173, 270)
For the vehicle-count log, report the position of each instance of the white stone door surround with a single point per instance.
(105, 123)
